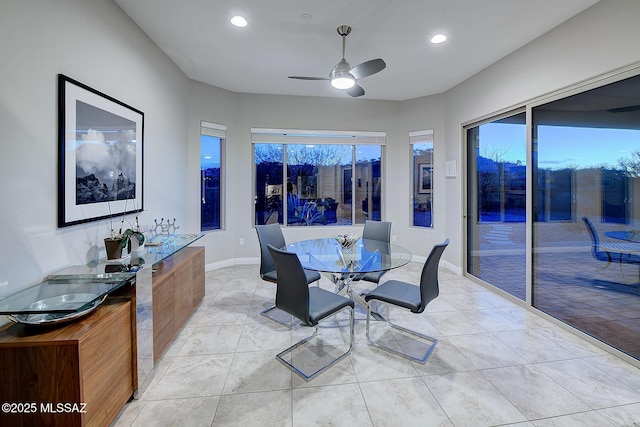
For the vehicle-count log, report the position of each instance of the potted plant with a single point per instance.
(131, 238)
(113, 243)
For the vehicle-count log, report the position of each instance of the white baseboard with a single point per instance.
(231, 262)
(451, 267)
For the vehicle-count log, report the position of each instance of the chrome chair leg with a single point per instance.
(265, 313)
(300, 343)
(430, 340)
(378, 309)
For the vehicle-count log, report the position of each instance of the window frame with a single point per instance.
(285, 137)
(421, 137)
(218, 131)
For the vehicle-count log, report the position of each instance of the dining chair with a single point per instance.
(375, 232)
(310, 305)
(412, 297)
(271, 234)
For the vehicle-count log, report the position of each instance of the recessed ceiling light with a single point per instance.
(306, 17)
(438, 38)
(239, 21)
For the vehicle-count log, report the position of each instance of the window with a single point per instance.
(308, 178)
(555, 196)
(615, 196)
(212, 137)
(422, 166)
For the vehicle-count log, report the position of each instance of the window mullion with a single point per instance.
(285, 193)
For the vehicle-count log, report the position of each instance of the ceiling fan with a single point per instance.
(342, 76)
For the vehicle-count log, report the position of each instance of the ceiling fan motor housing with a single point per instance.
(341, 69)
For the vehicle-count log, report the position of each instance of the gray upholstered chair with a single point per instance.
(308, 304)
(377, 231)
(409, 296)
(271, 234)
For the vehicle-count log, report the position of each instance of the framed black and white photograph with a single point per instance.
(100, 155)
(424, 175)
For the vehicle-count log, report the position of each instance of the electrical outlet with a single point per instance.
(394, 238)
(241, 242)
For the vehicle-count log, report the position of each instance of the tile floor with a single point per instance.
(496, 364)
(571, 285)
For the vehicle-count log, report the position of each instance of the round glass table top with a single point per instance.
(364, 256)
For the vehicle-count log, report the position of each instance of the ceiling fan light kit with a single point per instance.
(343, 82)
(342, 76)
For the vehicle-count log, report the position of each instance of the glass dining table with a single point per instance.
(344, 264)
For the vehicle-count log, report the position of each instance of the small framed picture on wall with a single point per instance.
(424, 176)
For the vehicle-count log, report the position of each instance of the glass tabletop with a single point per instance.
(364, 256)
(62, 294)
(77, 290)
(155, 250)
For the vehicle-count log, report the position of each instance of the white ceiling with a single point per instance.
(278, 42)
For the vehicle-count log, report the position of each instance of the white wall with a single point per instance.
(95, 43)
(420, 114)
(218, 106)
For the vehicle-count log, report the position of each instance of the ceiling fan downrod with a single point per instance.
(344, 31)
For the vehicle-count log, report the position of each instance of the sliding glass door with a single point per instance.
(586, 227)
(583, 209)
(496, 203)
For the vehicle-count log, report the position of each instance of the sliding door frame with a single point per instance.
(531, 140)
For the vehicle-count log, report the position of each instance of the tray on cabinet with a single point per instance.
(59, 299)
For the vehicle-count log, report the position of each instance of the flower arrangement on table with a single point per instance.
(346, 240)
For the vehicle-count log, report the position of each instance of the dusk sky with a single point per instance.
(558, 146)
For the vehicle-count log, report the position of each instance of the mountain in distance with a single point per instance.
(89, 189)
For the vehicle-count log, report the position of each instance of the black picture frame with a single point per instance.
(100, 155)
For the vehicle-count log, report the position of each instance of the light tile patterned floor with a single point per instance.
(496, 364)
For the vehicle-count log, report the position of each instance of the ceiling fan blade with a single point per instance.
(355, 91)
(308, 78)
(628, 109)
(368, 68)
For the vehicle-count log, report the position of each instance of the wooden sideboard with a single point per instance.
(178, 289)
(81, 374)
